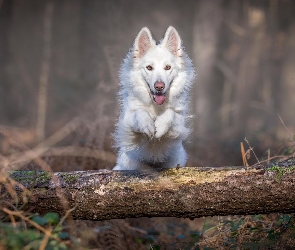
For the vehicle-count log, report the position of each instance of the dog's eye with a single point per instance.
(167, 67)
(149, 67)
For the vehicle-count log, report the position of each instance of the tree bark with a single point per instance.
(185, 192)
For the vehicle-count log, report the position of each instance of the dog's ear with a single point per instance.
(143, 42)
(172, 41)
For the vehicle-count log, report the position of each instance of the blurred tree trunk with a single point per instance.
(5, 58)
(184, 192)
(232, 40)
(248, 69)
(207, 23)
(287, 106)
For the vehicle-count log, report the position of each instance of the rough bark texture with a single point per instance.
(185, 192)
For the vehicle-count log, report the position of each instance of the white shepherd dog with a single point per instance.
(154, 96)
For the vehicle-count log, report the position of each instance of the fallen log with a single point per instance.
(188, 192)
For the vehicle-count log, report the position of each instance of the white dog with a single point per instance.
(154, 98)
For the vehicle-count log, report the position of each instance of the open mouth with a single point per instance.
(158, 95)
(159, 98)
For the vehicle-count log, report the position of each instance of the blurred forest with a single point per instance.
(59, 63)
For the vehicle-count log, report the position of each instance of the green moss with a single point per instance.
(30, 177)
(23, 176)
(281, 170)
(45, 176)
(70, 178)
(27, 172)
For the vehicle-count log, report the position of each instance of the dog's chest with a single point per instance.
(156, 110)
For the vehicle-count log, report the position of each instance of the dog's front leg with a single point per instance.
(178, 127)
(141, 122)
(164, 122)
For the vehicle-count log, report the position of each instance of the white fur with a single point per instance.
(147, 134)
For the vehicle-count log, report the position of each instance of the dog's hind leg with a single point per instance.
(124, 162)
(177, 156)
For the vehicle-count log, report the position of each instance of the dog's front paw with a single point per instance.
(146, 124)
(173, 133)
(161, 128)
(148, 129)
(178, 132)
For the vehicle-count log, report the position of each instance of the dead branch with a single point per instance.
(184, 192)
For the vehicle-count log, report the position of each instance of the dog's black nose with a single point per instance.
(159, 86)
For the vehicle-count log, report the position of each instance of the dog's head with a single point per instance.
(158, 64)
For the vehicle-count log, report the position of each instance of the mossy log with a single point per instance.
(188, 192)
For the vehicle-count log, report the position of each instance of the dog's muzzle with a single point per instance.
(159, 97)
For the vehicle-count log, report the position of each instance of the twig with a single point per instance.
(42, 229)
(35, 155)
(245, 163)
(12, 220)
(44, 241)
(61, 151)
(252, 151)
(271, 158)
(65, 216)
(10, 185)
(31, 154)
(14, 183)
(135, 229)
(24, 225)
(268, 155)
(287, 130)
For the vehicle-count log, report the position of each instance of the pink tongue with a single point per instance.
(159, 99)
